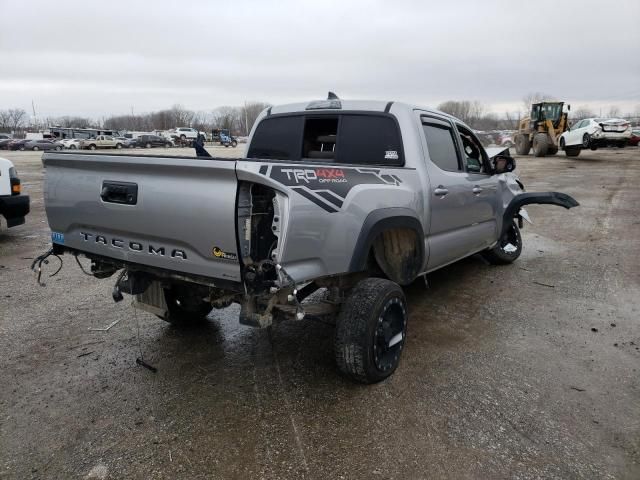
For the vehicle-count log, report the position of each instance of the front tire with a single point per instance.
(508, 248)
(586, 141)
(371, 330)
(148, 145)
(540, 145)
(119, 146)
(35, 149)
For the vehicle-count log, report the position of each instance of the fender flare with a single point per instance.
(376, 222)
(543, 198)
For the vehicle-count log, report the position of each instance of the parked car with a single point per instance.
(13, 205)
(148, 141)
(17, 144)
(126, 142)
(43, 144)
(71, 143)
(4, 143)
(594, 133)
(635, 137)
(101, 141)
(395, 192)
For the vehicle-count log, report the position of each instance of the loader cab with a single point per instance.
(543, 111)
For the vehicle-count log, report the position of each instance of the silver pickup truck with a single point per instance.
(355, 197)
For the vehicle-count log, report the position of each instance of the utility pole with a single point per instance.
(33, 109)
(246, 120)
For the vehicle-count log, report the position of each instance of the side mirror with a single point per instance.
(503, 164)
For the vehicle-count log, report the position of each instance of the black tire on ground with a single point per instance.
(508, 248)
(540, 145)
(73, 147)
(226, 145)
(371, 330)
(234, 144)
(92, 147)
(183, 137)
(552, 150)
(184, 311)
(572, 151)
(167, 145)
(21, 149)
(523, 146)
(148, 145)
(118, 146)
(58, 148)
(622, 144)
(35, 148)
(586, 141)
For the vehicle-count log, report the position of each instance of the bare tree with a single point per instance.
(17, 118)
(582, 112)
(226, 117)
(181, 116)
(5, 120)
(535, 97)
(614, 111)
(248, 114)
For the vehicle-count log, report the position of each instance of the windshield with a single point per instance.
(552, 111)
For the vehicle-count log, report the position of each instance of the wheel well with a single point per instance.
(396, 252)
(404, 232)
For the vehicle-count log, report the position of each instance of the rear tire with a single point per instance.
(35, 149)
(234, 144)
(508, 248)
(523, 146)
(371, 330)
(540, 145)
(119, 146)
(148, 145)
(92, 147)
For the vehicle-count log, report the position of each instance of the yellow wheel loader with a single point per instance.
(542, 129)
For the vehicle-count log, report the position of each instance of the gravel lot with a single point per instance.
(524, 371)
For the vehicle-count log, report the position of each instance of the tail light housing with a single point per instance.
(16, 187)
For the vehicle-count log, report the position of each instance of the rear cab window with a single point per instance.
(346, 138)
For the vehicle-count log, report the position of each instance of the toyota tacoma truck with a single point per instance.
(358, 198)
(13, 205)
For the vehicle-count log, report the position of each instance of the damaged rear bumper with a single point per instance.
(542, 198)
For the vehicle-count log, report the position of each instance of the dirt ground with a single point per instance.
(524, 371)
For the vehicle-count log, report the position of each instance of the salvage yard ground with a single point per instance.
(524, 371)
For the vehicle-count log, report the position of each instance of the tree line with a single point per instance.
(240, 119)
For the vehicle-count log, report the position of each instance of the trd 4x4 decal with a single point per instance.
(327, 186)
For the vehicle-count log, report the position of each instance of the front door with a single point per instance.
(452, 233)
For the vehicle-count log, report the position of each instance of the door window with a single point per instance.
(475, 158)
(442, 146)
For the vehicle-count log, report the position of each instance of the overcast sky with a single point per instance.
(95, 59)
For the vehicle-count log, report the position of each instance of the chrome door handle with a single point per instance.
(476, 190)
(440, 191)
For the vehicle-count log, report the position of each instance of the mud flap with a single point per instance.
(543, 198)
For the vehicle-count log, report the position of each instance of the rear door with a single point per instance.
(172, 213)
